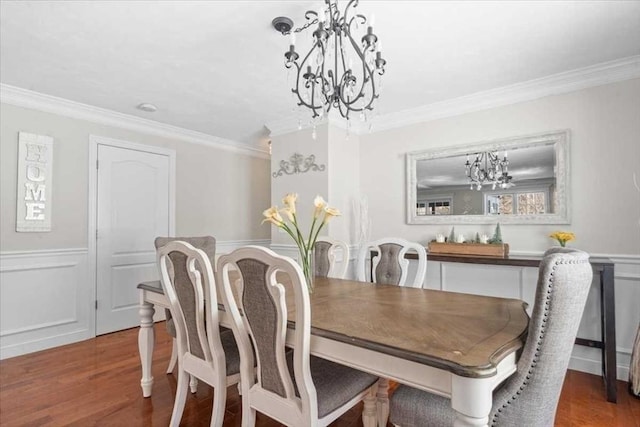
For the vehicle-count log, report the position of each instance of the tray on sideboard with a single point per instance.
(481, 249)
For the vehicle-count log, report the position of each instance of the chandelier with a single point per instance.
(340, 69)
(488, 169)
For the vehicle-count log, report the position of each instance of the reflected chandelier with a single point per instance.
(487, 168)
(339, 69)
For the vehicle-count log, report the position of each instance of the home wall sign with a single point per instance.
(298, 164)
(35, 163)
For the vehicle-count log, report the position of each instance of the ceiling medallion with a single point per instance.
(341, 70)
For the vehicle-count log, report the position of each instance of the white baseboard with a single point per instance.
(594, 366)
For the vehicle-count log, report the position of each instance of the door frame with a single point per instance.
(94, 142)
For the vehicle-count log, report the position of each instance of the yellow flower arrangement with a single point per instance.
(563, 237)
(290, 225)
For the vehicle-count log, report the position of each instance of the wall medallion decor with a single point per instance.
(298, 164)
(35, 162)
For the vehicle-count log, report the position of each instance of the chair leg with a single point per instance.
(248, 413)
(219, 401)
(193, 384)
(174, 357)
(181, 398)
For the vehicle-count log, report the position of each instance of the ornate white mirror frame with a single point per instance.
(557, 143)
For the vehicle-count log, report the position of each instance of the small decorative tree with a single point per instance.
(497, 235)
(452, 235)
(477, 240)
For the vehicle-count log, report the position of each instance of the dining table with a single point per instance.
(456, 345)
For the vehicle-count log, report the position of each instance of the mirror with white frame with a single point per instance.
(519, 180)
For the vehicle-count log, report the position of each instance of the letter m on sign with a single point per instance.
(34, 191)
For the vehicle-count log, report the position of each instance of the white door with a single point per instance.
(133, 196)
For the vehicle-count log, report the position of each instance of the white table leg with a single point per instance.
(472, 399)
(369, 410)
(382, 403)
(146, 341)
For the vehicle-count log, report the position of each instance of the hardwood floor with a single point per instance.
(97, 383)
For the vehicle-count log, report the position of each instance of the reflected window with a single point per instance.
(434, 207)
(521, 202)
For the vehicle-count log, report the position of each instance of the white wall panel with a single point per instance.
(45, 300)
(502, 282)
(520, 282)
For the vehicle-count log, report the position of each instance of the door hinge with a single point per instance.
(96, 234)
(96, 304)
(97, 163)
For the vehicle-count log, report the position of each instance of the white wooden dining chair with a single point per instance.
(208, 245)
(530, 396)
(203, 351)
(326, 262)
(292, 387)
(389, 265)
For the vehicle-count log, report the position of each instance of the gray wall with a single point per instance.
(605, 149)
(218, 192)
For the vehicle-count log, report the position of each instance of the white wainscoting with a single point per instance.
(291, 251)
(520, 283)
(45, 300)
(226, 246)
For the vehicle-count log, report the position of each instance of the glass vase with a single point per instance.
(307, 263)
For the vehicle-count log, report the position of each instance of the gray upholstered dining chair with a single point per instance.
(389, 266)
(530, 396)
(292, 387)
(204, 351)
(206, 244)
(325, 260)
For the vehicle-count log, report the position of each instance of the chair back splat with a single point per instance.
(208, 245)
(388, 265)
(326, 261)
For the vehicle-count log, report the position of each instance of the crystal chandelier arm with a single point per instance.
(307, 82)
(367, 78)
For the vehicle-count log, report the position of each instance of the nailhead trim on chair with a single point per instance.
(538, 344)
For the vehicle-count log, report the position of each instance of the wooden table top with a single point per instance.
(462, 333)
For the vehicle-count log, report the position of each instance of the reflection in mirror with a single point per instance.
(514, 180)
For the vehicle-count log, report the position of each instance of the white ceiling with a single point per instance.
(217, 67)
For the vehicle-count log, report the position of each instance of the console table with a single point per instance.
(603, 270)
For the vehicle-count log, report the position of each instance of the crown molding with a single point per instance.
(50, 104)
(556, 84)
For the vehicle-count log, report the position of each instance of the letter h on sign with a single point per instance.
(35, 161)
